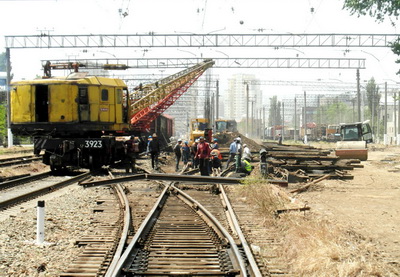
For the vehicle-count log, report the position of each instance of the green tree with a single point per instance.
(275, 117)
(379, 9)
(3, 61)
(374, 8)
(373, 97)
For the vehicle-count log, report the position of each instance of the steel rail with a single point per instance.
(140, 234)
(253, 267)
(167, 177)
(125, 231)
(15, 182)
(44, 190)
(216, 224)
(19, 161)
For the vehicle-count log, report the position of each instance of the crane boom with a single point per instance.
(151, 100)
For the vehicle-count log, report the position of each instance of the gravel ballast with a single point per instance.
(68, 216)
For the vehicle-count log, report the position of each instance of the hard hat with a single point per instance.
(244, 145)
(150, 136)
(201, 138)
(186, 142)
(263, 151)
(238, 139)
(215, 139)
(196, 140)
(179, 140)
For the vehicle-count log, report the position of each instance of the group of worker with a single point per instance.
(207, 157)
(201, 154)
(132, 149)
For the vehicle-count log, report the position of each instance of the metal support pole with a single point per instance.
(10, 140)
(263, 123)
(358, 95)
(305, 118)
(398, 120)
(295, 119)
(217, 101)
(385, 138)
(394, 116)
(283, 121)
(247, 109)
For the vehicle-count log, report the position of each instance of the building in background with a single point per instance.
(243, 105)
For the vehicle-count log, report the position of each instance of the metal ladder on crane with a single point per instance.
(149, 101)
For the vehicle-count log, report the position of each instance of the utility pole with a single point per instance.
(385, 138)
(247, 109)
(394, 115)
(295, 119)
(217, 101)
(398, 122)
(8, 69)
(263, 123)
(305, 118)
(283, 121)
(252, 117)
(358, 95)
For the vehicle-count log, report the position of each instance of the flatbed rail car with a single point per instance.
(83, 121)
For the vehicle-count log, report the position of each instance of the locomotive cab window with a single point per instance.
(104, 95)
(83, 95)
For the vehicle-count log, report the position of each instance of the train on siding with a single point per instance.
(82, 121)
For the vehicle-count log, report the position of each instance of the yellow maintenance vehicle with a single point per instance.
(225, 125)
(200, 127)
(354, 139)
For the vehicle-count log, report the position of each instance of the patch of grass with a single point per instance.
(311, 244)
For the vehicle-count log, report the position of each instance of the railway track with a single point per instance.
(114, 227)
(179, 235)
(19, 160)
(27, 188)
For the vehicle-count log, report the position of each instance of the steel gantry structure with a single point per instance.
(199, 40)
(136, 63)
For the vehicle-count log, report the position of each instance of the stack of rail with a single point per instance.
(302, 163)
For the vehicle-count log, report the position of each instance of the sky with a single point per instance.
(30, 17)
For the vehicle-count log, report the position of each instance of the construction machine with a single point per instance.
(354, 138)
(199, 127)
(225, 125)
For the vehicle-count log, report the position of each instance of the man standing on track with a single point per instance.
(178, 153)
(154, 149)
(232, 153)
(203, 155)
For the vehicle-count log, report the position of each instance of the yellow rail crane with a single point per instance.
(77, 120)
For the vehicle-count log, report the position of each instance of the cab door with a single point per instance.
(83, 104)
(42, 103)
(118, 106)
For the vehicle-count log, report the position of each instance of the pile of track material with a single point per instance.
(303, 163)
(226, 138)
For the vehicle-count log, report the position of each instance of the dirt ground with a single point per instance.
(369, 204)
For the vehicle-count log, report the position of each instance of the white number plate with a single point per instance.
(93, 144)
